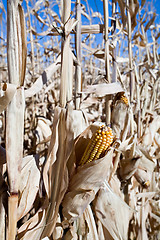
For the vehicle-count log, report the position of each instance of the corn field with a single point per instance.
(79, 120)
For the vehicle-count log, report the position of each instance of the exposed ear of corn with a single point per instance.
(121, 97)
(97, 145)
(124, 99)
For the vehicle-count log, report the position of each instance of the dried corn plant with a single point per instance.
(79, 121)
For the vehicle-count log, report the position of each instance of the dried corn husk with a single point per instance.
(120, 119)
(86, 181)
(113, 213)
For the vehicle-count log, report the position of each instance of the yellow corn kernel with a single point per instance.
(146, 184)
(124, 99)
(98, 144)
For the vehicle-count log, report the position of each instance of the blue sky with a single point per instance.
(97, 5)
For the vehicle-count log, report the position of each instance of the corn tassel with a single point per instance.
(98, 145)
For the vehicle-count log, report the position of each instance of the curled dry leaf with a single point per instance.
(43, 128)
(130, 161)
(148, 136)
(29, 185)
(9, 91)
(147, 162)
(29, 230)
(128, 168)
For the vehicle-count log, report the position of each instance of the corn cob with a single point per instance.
(124, 99)
(146, 184)
(98, 145)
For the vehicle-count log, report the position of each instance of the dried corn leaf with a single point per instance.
(147, 162)
(29, 230)
(142, 231)
(89, 219)
(130, 161)
(50, 31)
(104, 89)
(16, 44)
(9, 91)
(14, 148)
(43, 128)
(157, 139)
(14, 154)
(86, 225)
(12, 44)
(3, 196)
(58, 231)
(113, 213)
(22, 45)
(134, 7)
(128, 168)
(151, 21)
(148, 136)
(143, 177)
(29, 185)
(42, 80)
(2, 7)
(142, 3)
(120, 119)
(91, 29)
(122, 6)
(101, 233)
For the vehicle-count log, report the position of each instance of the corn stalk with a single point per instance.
(57, 179)
(16, 56)
(114, 70)
(108, 97)
(130, 52)
(78, 51)
(65, 54)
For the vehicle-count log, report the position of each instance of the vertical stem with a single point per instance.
(31, 39)
(16, 58)
(138, 102)
(2, 210)
(147, 47)
(130, 52)
(105, 7)
(65, 54)
(114, 69)
(78, 52)
(108, 97)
